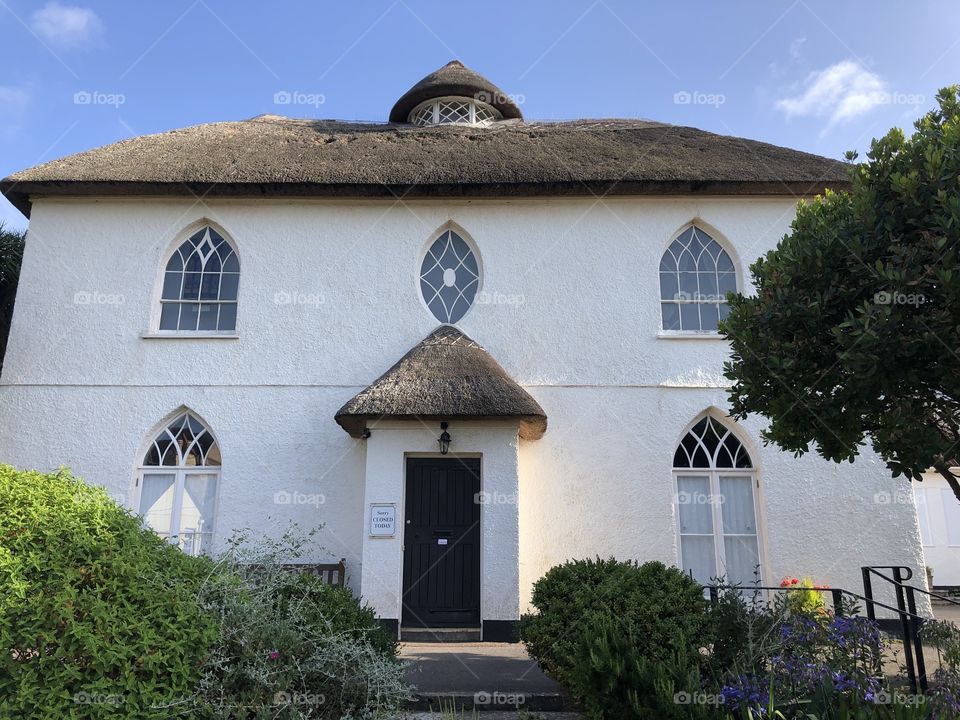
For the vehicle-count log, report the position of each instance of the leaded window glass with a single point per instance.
(716, 505)
(449, 277)
(177, 484)
(200, 285)
(695, 276)
(453, 111)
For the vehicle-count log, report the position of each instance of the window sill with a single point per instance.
(667, 335)
(190, 336)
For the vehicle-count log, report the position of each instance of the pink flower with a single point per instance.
(274, 654)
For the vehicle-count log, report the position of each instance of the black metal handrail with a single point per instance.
(911, 622)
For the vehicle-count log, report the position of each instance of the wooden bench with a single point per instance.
(331, 573)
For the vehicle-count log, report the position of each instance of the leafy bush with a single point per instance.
(98, 616)
(291, 646)
(616, 681)
(660, 610)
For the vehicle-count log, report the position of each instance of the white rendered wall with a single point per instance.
(329, 300)
(496, 445)
(940, 527)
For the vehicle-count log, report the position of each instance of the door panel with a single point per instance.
(441, 550)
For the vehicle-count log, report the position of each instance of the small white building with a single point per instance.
(470, 346)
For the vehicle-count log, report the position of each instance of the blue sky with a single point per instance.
(811, 74)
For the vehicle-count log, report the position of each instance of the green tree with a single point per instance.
(11, 255)
(854, 333)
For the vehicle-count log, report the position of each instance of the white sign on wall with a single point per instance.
(383, 520)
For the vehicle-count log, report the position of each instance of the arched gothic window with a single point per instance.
(177, 483)
(716, 505)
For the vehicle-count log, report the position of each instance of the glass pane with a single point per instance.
(210, 286)
(923, 515)
(156, 500)
(169, 314)
(952, 511)
(195, 543)
(228, 286)
(689, 316)
(670, 313)
(709, 315)
(694, 504)
(688, 285)
(228, 316)
(208, 316)
(668, 286)
(697, 554)
(188, 316)
(727, 282)
(740, 559)
(737, 507)
(171, 285)
(191, 286)
(199, 493)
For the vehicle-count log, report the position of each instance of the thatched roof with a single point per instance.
(273, 156)
(447, 376)
(454, 79)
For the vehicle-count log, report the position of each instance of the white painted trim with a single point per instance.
(156, 304)
(186, 335)
(687, 335)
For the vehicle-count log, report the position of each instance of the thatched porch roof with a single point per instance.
(447, 376)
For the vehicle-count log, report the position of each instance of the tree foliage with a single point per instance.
(853, 336)
(11, 255)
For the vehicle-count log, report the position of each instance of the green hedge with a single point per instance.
(610, 631)
(98, 616)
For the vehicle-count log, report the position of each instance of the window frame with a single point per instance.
(425, 251)
(714, 475)
(472, 103)
(174, 534)
(155, 332)
(721, 241)
(716, 509)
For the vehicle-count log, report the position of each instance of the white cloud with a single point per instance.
(841, 92)
(66, 26)
(13, 106)
(13, 99)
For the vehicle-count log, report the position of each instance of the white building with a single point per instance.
(241, 286)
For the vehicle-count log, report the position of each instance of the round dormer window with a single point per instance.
(453, 111)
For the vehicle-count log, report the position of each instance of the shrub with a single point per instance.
(291, 646)
(98, 616)
(660, 609)
(615, 681)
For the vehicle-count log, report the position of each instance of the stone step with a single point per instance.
(439, 635)
(457, 702)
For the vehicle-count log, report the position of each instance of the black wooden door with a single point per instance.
(441, 543)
